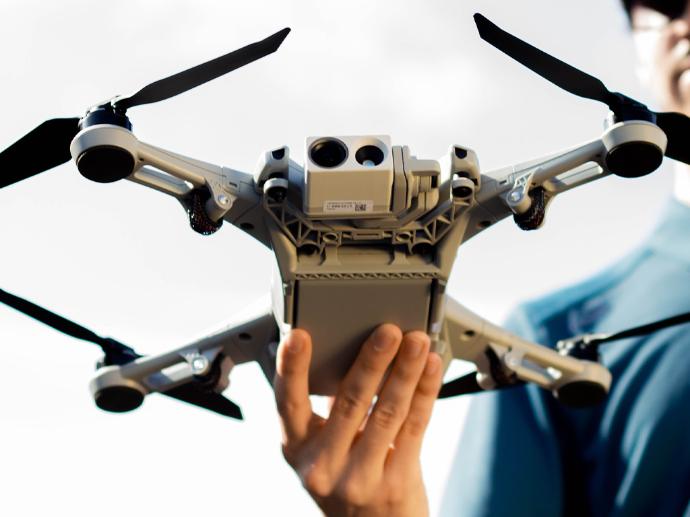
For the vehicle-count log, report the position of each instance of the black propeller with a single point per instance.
(465, 385)
(116, 353)
(43, 148)
(215, 402)
(47, 145)
(675, 125)
(200, 74)
(584, 347)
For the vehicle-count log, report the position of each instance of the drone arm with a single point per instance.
(228, 194)
(223, 184)
(575, 178)
(246, 341)
(165, 183)
(232, 193)
(508, 188)
(502, 357)
(593, 151)
(525, 190)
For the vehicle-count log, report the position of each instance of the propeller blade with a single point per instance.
(47, 145)
(43, 148)
(677, 129)
(559, 73)
(115, 352)
(675, 125)
(49, 318)
(642, 330)
(118, 353)
(467, 384)
(198, 75)
(215, 402)
(461, 386)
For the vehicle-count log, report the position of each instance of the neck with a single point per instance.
(681, 188)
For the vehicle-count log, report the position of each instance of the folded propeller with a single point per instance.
(119, 399)
(47, 145)
(675, 125)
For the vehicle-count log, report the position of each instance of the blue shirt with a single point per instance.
(523, 453)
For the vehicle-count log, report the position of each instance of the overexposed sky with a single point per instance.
(121, 259)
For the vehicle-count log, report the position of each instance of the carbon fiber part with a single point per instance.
(533, 218)
(198, 218)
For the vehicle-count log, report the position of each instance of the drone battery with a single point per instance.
(348, 177)
(341, 314)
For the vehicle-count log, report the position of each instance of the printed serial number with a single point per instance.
(348, 206)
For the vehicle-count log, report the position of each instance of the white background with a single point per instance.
(122, 260)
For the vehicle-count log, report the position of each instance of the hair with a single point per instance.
(627, 5)
(670, 8)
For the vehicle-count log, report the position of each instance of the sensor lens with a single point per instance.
(369, 156)
(328, 153)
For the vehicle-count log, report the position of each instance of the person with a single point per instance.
(522, 453)
(347, 466)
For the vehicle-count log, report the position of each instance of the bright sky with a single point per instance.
(121, 259)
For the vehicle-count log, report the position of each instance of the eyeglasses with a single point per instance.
(671, 8)
(668, 9)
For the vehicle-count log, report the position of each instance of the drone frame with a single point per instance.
(456, 332)
(361, 220)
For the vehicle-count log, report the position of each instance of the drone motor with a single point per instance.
(581, 394)
(104, 152)
(105, 163)
(118, 399)
(635, 149)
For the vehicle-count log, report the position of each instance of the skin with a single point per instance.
(363, 460)
(663, 47)
(663, 50)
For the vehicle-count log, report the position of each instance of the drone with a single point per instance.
(363, 232)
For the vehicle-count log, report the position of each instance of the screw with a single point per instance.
(223, 199)
(199, 364)
(515, 195)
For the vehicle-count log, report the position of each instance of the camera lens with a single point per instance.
(369, 156)
(328, 153)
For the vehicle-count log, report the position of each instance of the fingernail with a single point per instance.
(415, 345)
(293, 344)
(432, 363)
(383, 339)
(414, 348)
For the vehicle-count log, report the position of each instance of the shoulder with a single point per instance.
(575, 308)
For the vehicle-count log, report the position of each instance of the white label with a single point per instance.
(349, 207)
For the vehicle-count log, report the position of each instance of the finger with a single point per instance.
(291, 385)
(408, 442)
(355, 394)
(393, 404)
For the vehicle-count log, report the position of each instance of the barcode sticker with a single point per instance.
(349, 207)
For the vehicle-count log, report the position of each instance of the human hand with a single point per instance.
(361, 460)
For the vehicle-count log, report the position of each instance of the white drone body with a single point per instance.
(364, 233)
